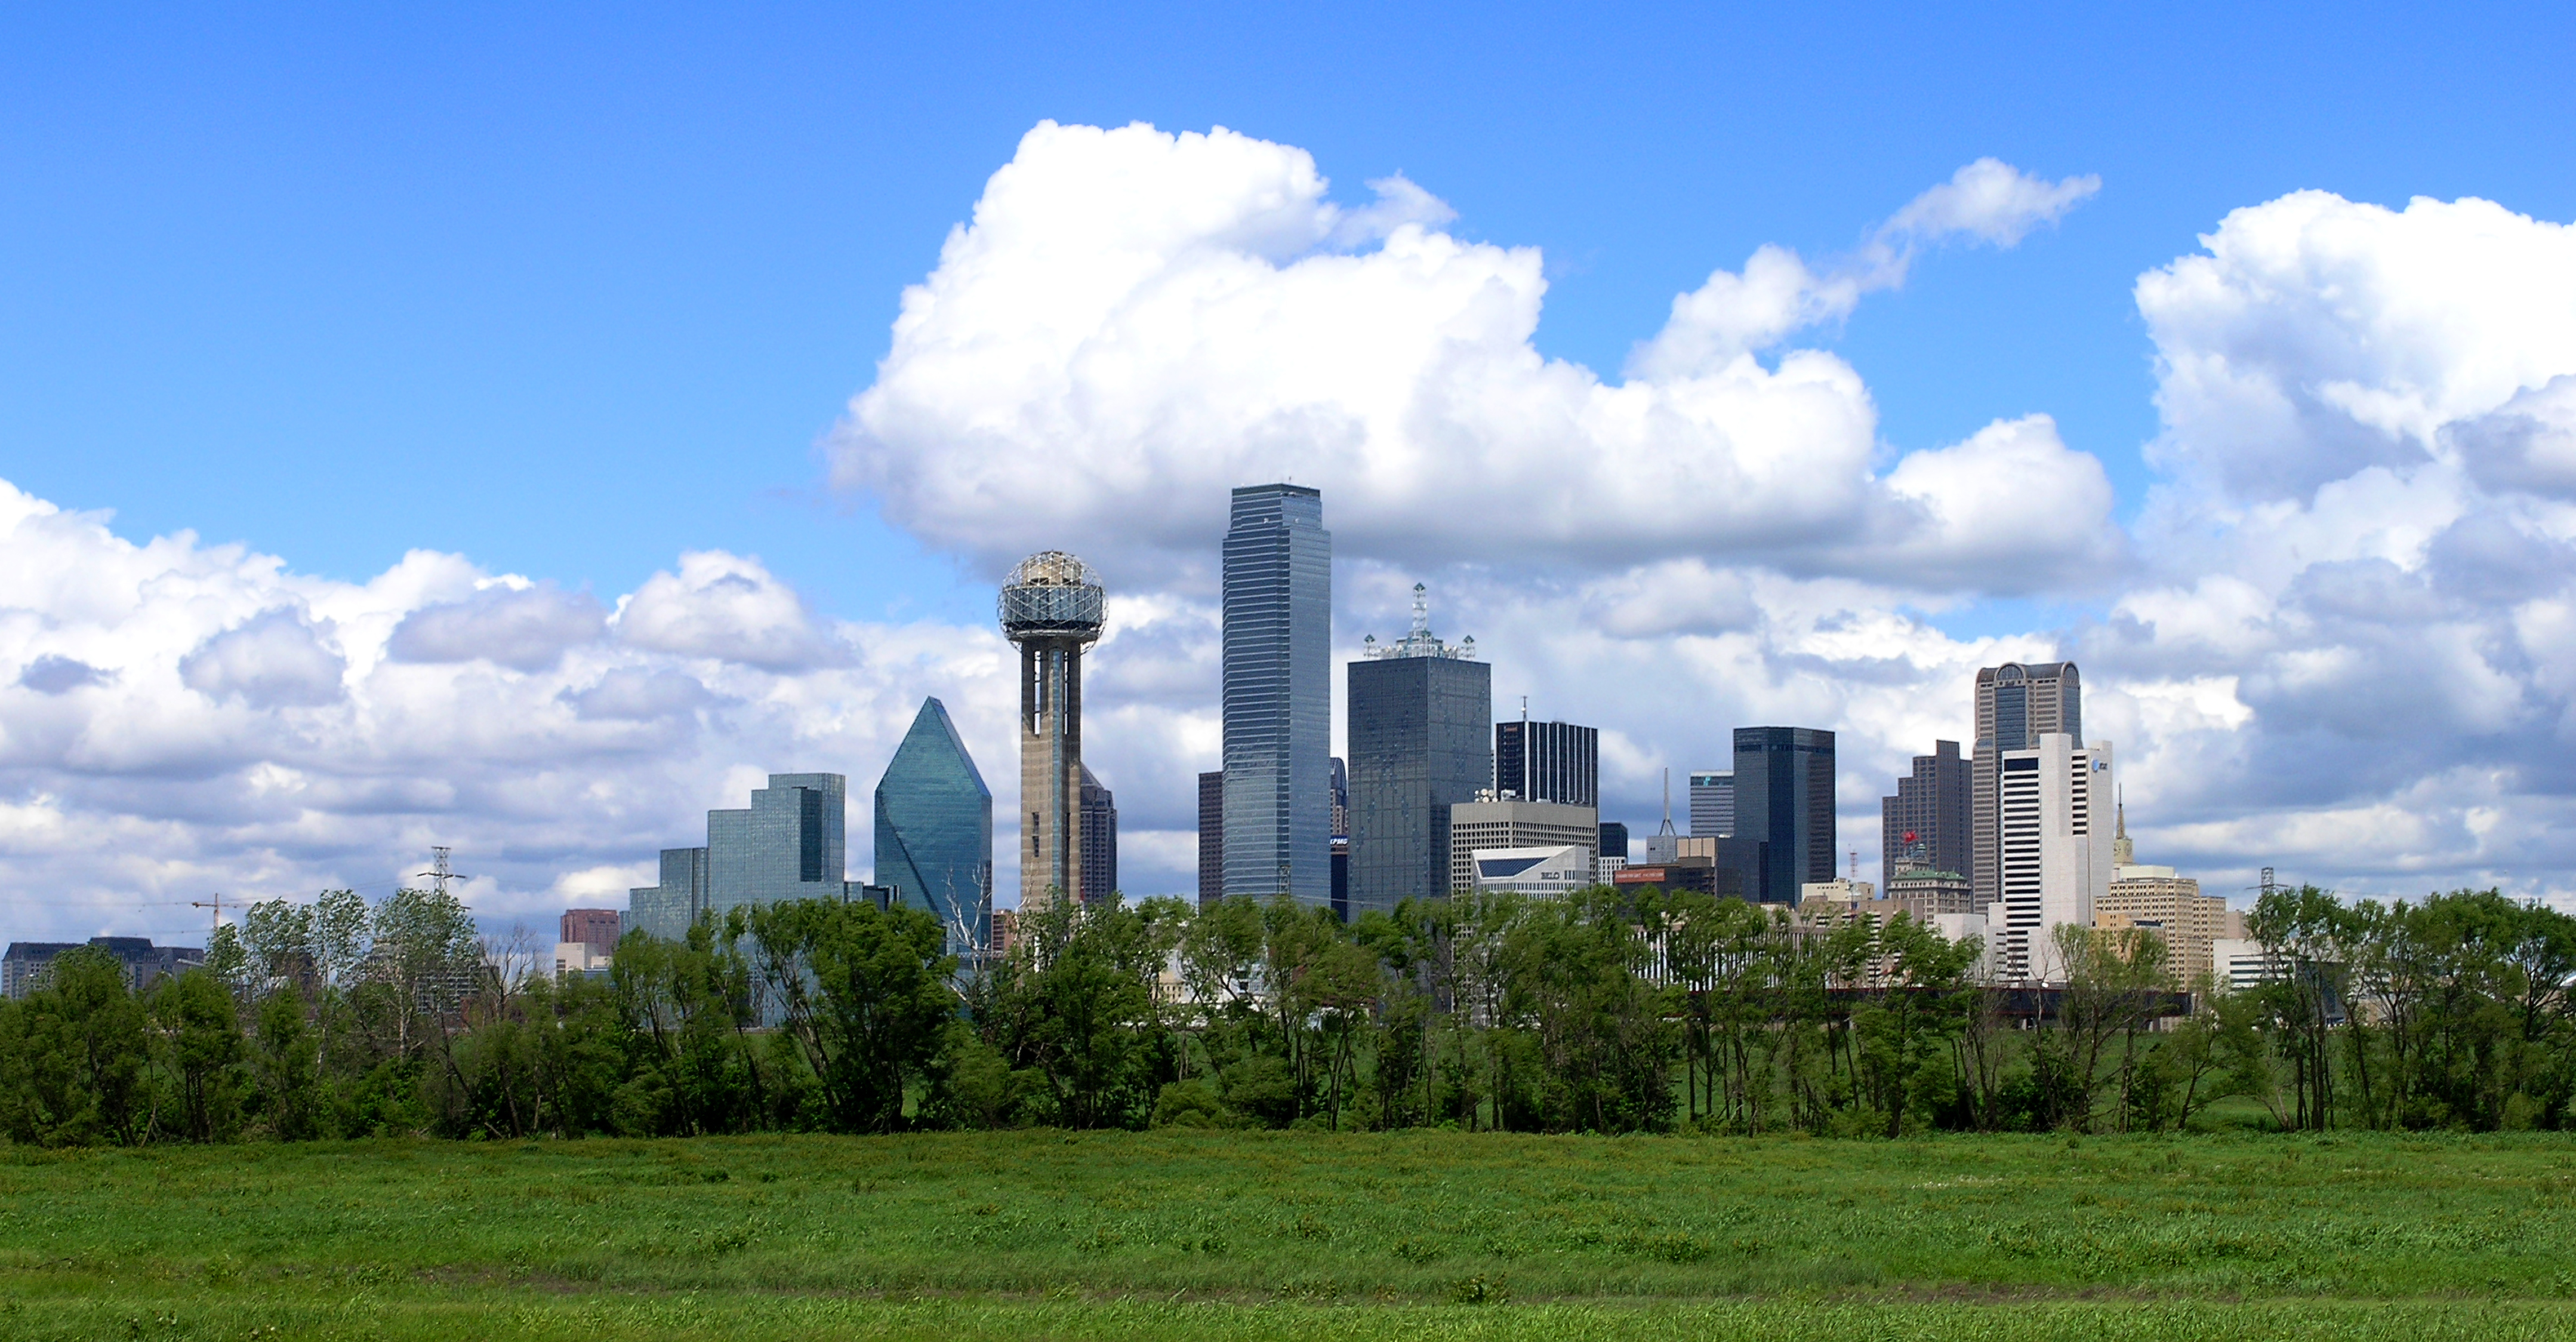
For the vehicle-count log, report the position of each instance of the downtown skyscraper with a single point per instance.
(2017, 704)
(934, 831)
(1278, 695)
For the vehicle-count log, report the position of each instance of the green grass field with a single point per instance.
(1299, 1236)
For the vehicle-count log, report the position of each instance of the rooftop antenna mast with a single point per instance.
(1668, 801)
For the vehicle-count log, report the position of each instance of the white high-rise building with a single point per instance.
(2053, 859)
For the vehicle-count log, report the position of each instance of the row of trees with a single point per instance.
(1606, 1011)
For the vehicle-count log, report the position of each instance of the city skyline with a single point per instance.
(454, 516)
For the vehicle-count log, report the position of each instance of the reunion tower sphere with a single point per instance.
(1051, 595)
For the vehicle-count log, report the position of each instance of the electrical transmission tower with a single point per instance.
(440, 873)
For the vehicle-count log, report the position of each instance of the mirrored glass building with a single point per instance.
(934, 832)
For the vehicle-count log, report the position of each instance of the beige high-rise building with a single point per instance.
(2016, 705)
(2167, 905)
(1051, 605)
(1486, 823)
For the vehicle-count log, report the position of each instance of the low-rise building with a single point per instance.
(23, 966)
(1556, 870)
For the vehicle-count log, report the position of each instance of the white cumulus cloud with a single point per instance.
(1135, 321)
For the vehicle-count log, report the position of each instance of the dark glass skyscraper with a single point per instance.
(1926, 823)
(1421, 718)
(935, 830)
(1211, 837)
(1548, 761)
(1784, 800)
(1099, 840)
(1278, 694)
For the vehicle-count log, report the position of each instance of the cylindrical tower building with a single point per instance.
(1051, 607)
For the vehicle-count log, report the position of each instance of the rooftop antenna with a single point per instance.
(1668, 801)
(1855, 864)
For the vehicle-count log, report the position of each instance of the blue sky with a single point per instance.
(566, 293)
(570, 289)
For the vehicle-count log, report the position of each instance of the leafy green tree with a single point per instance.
(285, 1070)
(73, 1055)
(866, 996)
(1903, 1032)
(198, 1048)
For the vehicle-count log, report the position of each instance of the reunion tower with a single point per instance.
(1051, 607)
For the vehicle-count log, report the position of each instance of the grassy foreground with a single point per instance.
(1191, 1234)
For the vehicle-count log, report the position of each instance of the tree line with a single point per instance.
(1606, 1011)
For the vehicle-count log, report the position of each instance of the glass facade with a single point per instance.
(1784, 800)
(1548, 761)
(1099, 840)
(1925, 825)
(1712, 804)
(1278, 695)
(666, 910)
(934, 830)
(1421, 741)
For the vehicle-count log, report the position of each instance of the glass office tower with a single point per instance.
(1421, 741)
(1278, 695)
(935, 830)
(1548, 761)
(1099, 840)
(1784, 800)
(790, 844)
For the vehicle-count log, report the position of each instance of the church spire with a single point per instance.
(2123, 853)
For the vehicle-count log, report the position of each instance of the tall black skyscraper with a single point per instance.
(1278, 694)
(1784, 799)
(1931, 806)
(1548, 761)
(1099, 840)
(1211, 837)
(1421, 717)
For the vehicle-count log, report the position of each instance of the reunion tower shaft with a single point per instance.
(1051, 607)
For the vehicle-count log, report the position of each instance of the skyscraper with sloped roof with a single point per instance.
(935, 830)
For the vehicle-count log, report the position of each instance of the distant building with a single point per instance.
(597, 929)
(1686, 873)
(934, 830)
(1712, 804)
(1211, 837)
(2055, 863)
(1277, 694)
(1739, 859)
(1927, 823)
(1006, 932)
(666, 910)
(24, 966)
(1552, 871)
(1930, 894)
(2167, 905)
(1421, 719)
(1784, 797)
(789, 844)
(1841, 890)
(1613, 840)
(1548, 761)
(2016, 705)
(1341, 800)
(1520, 826)
(1099, 840)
